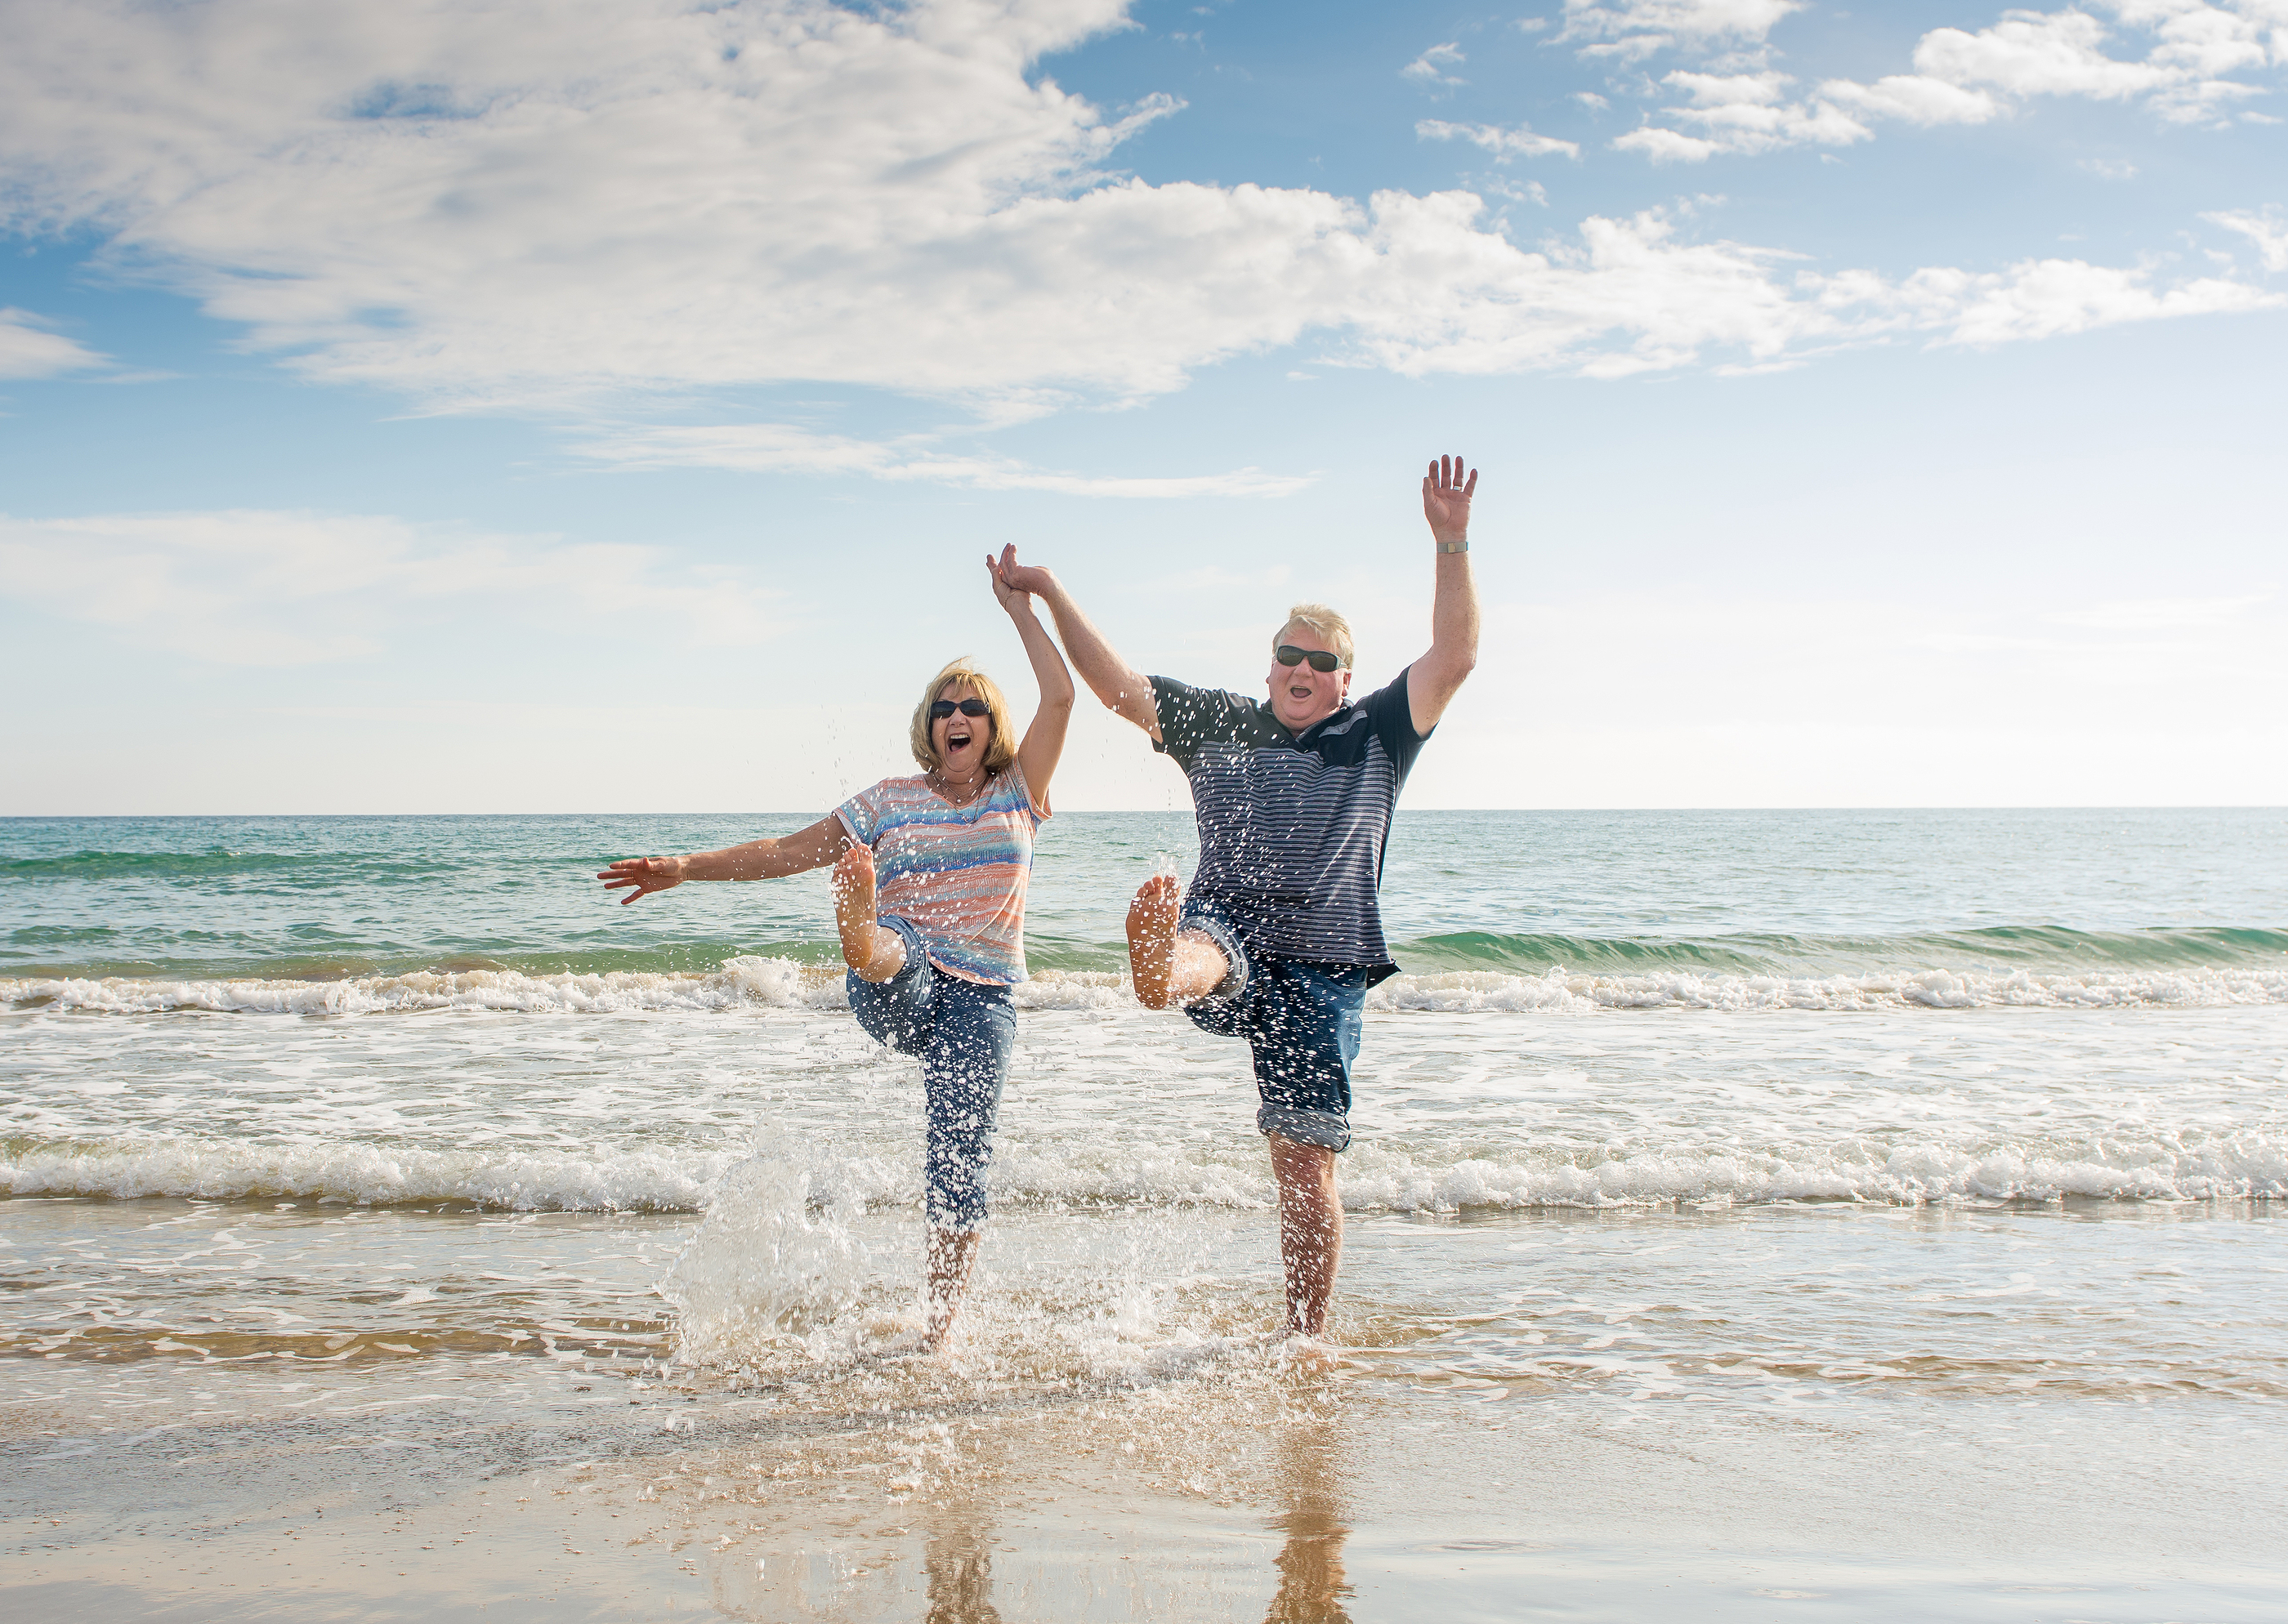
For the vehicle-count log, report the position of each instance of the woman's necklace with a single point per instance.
(944, 787)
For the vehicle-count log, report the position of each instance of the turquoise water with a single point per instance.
(1799, 893)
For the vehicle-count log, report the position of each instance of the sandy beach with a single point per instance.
(1235, 1483)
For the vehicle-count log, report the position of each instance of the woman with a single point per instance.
(929, 895)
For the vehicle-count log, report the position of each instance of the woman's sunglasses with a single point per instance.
(941, 709)
(1320, 659)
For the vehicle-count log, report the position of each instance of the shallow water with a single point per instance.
(1718, 1177)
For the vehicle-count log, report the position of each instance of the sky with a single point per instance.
(606, 405)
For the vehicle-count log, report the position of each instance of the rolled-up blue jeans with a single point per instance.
(962, 1033)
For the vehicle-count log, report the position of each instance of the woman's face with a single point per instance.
(961, 741)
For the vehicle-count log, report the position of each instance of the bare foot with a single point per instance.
(1152, 940)
(874, 953)
(1300, 1350)
(949, 1255)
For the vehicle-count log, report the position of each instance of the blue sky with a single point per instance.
(606, 406)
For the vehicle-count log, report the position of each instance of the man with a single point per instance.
(1281, 936)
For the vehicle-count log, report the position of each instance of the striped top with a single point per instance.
(956, 873)
(1293, 827)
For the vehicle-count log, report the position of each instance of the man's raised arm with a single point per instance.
(1432, 680)
(1112, 679)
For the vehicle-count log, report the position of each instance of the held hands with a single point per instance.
(646, 875)
(1014, 582)
(1446, 499)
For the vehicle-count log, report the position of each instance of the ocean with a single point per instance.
(1854, 1213)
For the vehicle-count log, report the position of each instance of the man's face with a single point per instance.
(1299, 695)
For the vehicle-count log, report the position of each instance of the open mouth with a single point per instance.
(957, 740)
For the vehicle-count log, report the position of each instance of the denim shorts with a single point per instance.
(1300, 1019)
(962, 1032)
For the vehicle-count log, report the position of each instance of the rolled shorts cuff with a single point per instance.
(1211, 926)
(903, 929)
(1323, 1128)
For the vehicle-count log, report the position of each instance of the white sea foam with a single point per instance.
(773, 983)
(224, 1169)
(1564, 992)
(2138, 1166)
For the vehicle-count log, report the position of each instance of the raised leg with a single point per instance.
(1169, 967)
(873, 951)
(1310, 1231)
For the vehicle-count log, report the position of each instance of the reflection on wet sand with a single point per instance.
(1311, 1583)
(957, 1563)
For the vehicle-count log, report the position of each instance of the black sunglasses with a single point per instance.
(941, 709)
(1320, 659)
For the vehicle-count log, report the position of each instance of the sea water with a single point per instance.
(1941, 1147)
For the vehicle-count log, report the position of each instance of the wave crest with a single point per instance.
(754, 981)
(1380, 1174)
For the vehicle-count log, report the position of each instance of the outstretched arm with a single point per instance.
(1045, 739)
(1432, 680)
(1112, 679)
(758, 859)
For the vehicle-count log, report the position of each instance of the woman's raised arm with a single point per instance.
(1045, 739)
(758, 859)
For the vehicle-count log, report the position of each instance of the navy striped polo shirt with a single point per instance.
(1292, 825)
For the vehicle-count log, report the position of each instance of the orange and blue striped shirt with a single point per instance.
(956, 873)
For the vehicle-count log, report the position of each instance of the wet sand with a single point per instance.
(1262, 1489)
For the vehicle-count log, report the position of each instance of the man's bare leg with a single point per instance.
(874, 951)
(951, 1255)
(1170, 967)
(1310, 1231)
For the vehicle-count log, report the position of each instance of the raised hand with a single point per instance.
(642, 876)
(1010, 599)
(1446, 499)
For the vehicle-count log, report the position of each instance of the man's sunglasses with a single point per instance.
(941, 709)
(1320, 659)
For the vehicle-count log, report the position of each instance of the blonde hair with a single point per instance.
(1002, 748)
(1330, 625)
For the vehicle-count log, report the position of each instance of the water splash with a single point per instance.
(766, 1269)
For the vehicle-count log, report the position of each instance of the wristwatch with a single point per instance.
(1461, 546)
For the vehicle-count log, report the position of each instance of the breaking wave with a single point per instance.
(754, 982)
(1379, 1175)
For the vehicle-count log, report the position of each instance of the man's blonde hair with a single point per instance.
(1002, 748)
(1332, 628)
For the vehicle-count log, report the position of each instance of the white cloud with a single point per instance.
(1430, 68)
(1631, 29)
(1741, 113)
(776, 448)
(2110, 169)
(2037, 298)
(2036, 54)
(285, 589)
(1959, 74)
(1503, 144)
(2268, 230)
(28, 350)
(557, 205)
(1914, 98)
